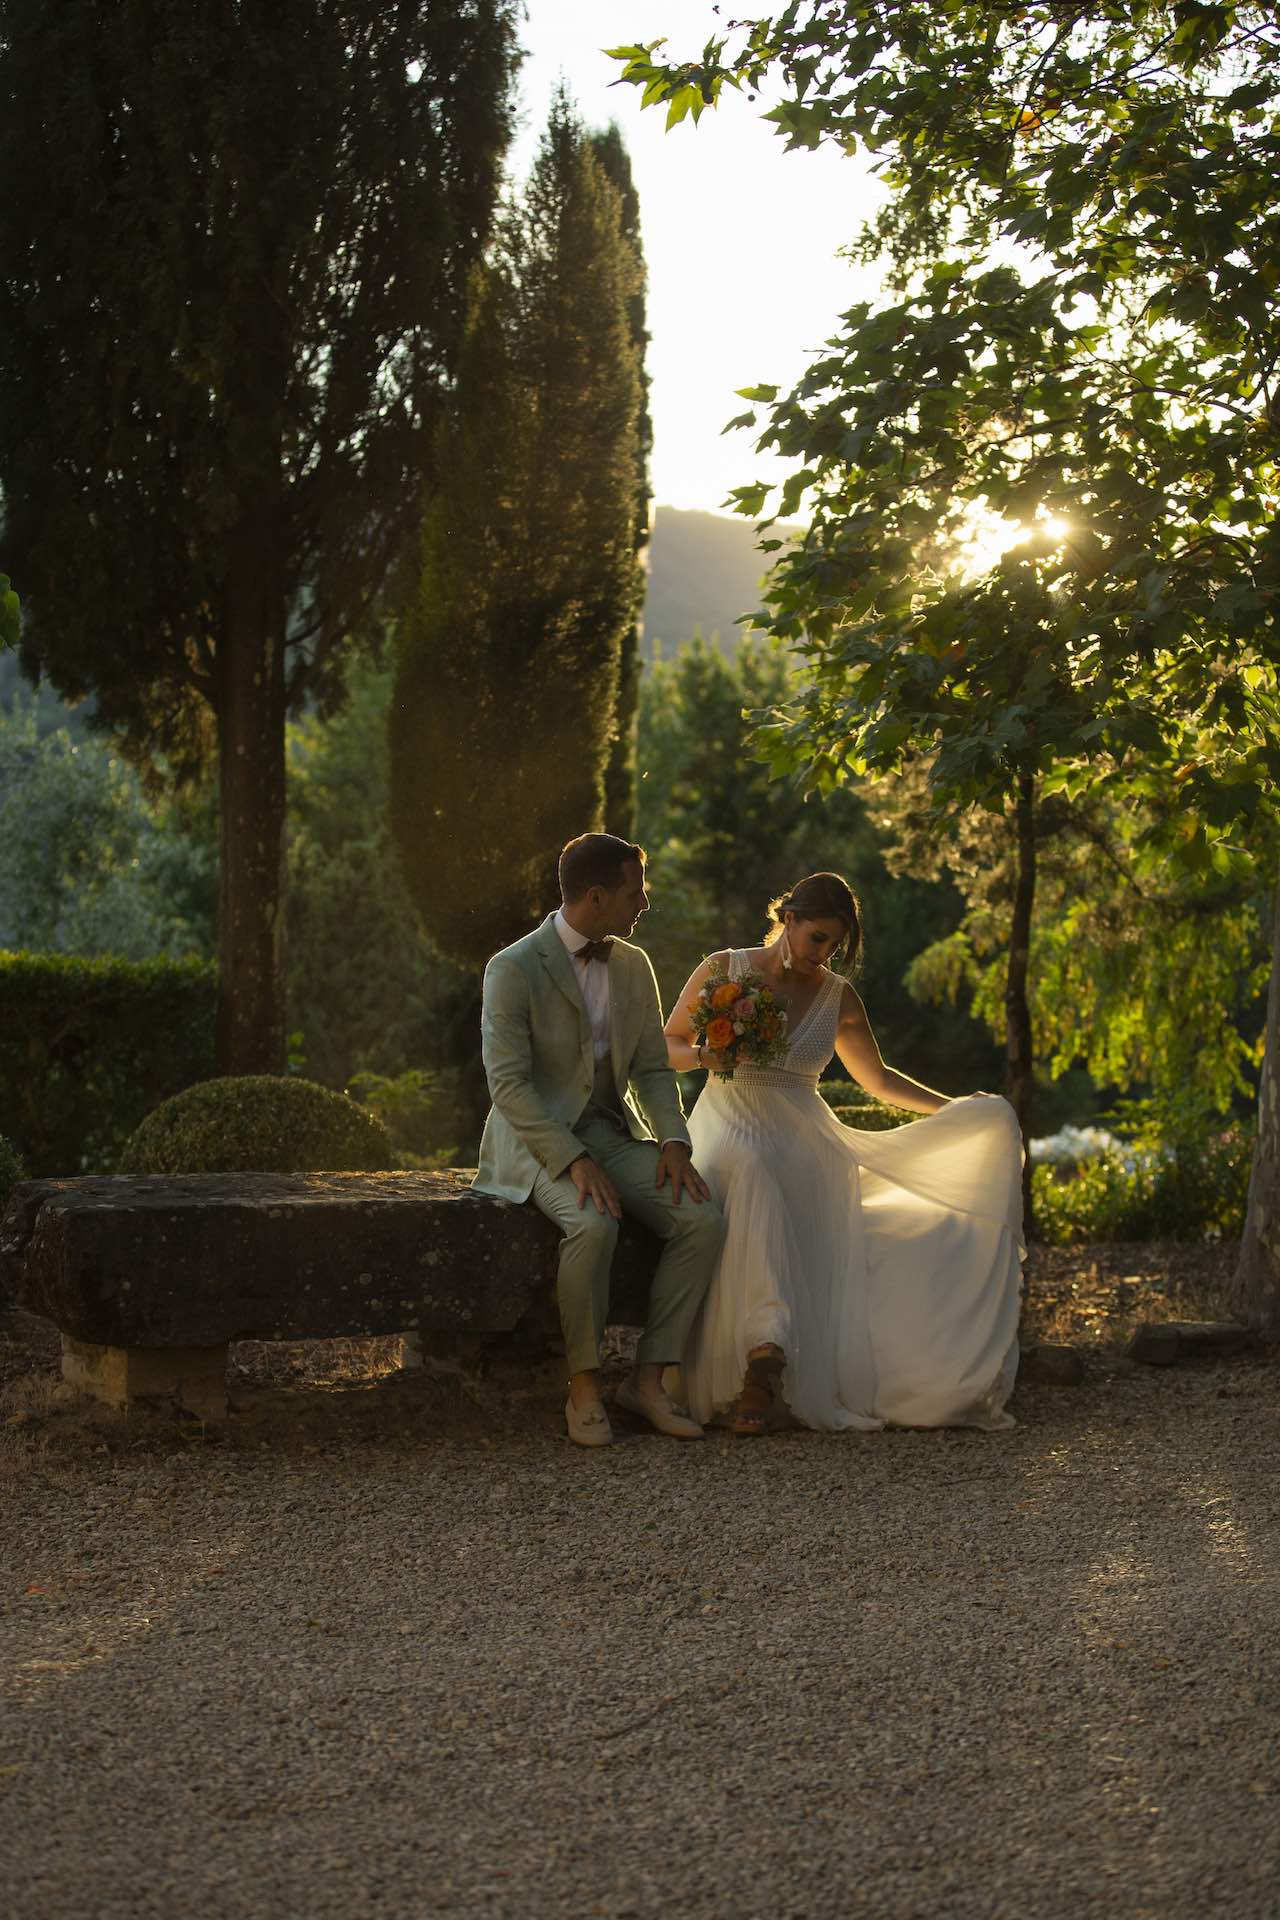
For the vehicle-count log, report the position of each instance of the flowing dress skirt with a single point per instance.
(887, 1266)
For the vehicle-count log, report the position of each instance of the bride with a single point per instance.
(866, 1277)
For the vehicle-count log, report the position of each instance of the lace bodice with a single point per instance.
(812, 1041)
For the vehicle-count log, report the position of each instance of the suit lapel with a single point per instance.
(619, 1008)
(555, 958)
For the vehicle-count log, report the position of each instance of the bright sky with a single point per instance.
(740, 237)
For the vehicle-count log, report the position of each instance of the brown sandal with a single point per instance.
(756, 1400)
(765, 1363)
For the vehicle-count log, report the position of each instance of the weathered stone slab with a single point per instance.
(1170, 1343)
(201, 1260)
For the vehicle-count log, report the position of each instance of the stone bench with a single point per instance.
(149, 1280)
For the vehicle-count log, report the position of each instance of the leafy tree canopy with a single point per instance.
(236, 239)
(88, 864)
(236, 244)
(1147, 980)
(1078, 334)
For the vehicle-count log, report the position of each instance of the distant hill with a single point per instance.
(704, 570)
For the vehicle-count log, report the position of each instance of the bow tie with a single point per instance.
(594, 950)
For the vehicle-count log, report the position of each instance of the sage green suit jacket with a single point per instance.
(539, 1061)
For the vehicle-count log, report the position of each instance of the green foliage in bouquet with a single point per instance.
(258, 1123)
(89, 1046)
(741, 1020)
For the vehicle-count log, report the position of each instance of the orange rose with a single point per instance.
(719, 1035)
(724, 996)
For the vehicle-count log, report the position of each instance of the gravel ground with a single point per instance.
(403, 1651)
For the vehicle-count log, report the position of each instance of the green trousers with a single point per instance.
(692, 1233)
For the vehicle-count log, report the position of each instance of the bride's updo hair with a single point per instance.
(822, 896)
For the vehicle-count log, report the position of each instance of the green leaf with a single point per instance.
(749, 500)
(10, 614)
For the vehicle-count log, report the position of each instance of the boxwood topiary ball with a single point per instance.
(258, 1123)
(11, 1171)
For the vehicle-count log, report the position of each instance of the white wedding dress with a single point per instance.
(887, 1266)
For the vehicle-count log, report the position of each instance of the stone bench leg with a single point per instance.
(192, 1378)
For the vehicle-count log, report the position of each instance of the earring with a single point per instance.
(784, 945)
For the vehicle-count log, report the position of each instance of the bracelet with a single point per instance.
(697, 1053)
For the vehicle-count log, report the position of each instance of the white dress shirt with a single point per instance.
(593, 984)
(592, 977)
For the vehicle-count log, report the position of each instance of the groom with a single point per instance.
(573, 1041)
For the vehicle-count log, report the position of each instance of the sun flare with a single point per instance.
(989, 536)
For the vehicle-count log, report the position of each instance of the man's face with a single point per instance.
(622, 907)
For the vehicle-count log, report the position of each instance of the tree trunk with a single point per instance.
(1255, 1286)
(251, 781)
(1019, 1076)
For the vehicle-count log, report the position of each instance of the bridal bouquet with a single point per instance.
(743, 1020)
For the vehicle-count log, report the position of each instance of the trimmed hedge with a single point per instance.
(854, 1108)
(89, 1046)
(258, 1123)
(872, 1116)
(11, 1171)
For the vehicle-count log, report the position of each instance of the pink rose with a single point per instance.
(744, 1009)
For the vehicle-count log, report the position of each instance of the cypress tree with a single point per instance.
(511, 643)
(236, 238)
(620, 775)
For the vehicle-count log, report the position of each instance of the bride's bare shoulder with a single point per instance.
(851, 1007)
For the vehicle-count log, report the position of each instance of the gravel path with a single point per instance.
(449, 1665)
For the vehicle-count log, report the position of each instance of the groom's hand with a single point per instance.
(675, 1165)
(592, 1180)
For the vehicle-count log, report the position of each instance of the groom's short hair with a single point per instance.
(595, 860)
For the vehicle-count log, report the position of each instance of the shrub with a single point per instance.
(1069, 1145)
(258, 1123)
(422, 1113)
(11, 1172)
(872, 1116)
(1190, 1192)
(854, 1108)
(88, 1048)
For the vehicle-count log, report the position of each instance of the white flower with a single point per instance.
(1072, 1143)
